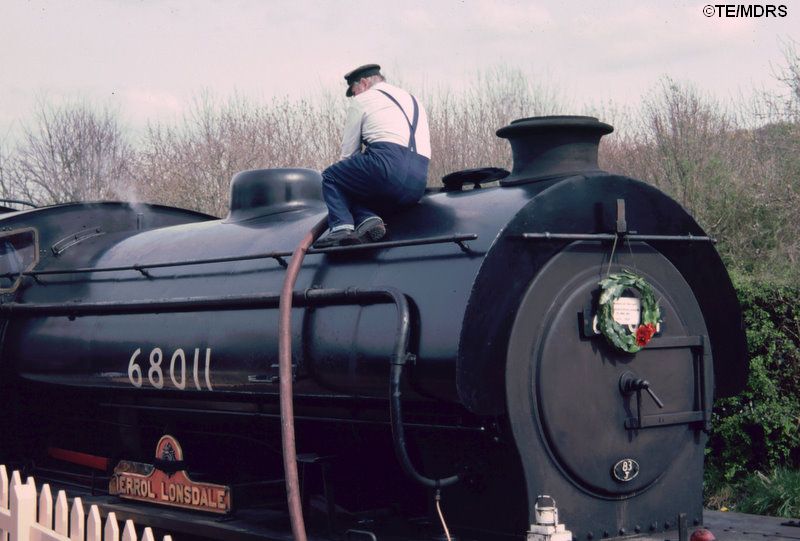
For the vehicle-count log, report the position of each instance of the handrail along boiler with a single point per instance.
(124, 323)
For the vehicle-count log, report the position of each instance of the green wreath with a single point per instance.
(619, 336)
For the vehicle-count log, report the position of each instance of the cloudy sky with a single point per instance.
(148, 58)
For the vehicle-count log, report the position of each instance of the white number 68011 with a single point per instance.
(177, 369)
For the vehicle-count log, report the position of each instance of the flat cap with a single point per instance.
(367, 70)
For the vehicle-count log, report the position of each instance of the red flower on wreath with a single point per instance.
(644, 333)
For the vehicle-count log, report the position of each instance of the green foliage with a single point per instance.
(759, 429)
(777, 494)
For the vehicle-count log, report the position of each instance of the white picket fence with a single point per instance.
(19, 521)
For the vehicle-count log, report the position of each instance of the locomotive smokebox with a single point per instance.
(549, 146)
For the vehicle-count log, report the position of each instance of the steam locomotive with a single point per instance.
(139, 354)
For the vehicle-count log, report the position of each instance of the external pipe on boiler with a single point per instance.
(399, 358)
(285, 374)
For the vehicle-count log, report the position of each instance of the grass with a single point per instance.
(776, 494)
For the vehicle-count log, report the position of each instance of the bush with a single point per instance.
(759, 429)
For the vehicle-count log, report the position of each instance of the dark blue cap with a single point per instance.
(367, 70)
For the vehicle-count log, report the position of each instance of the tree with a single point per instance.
(70, 153)
(463, 124)
(191, 164)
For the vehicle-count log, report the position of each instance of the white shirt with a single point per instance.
(372, 117)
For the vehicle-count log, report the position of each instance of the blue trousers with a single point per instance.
(385, 177)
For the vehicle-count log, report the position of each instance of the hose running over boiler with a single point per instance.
(285, 375)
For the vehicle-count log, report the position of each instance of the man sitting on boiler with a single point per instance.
(388, 173)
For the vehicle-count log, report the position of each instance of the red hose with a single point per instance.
(285, 374)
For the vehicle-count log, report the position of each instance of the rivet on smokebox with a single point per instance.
(702, 534)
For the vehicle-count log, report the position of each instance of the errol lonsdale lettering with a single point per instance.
(202, 496)
(147, 483)
(134, 486)
(196, 496)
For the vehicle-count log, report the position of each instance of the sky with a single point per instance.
(149, 59)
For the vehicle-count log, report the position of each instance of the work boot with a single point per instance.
(340, 237)
(371, 230)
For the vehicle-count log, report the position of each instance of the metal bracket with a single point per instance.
(622, 225)
(621, 232)
(464, 246)
(67, 242)
(664, 419)
(272, 378)
(611, 236)
(359, 535)
(143, 271)
(683, 528)
(311, 461)
(698, 415)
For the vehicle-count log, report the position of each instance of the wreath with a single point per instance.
(620, 336)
